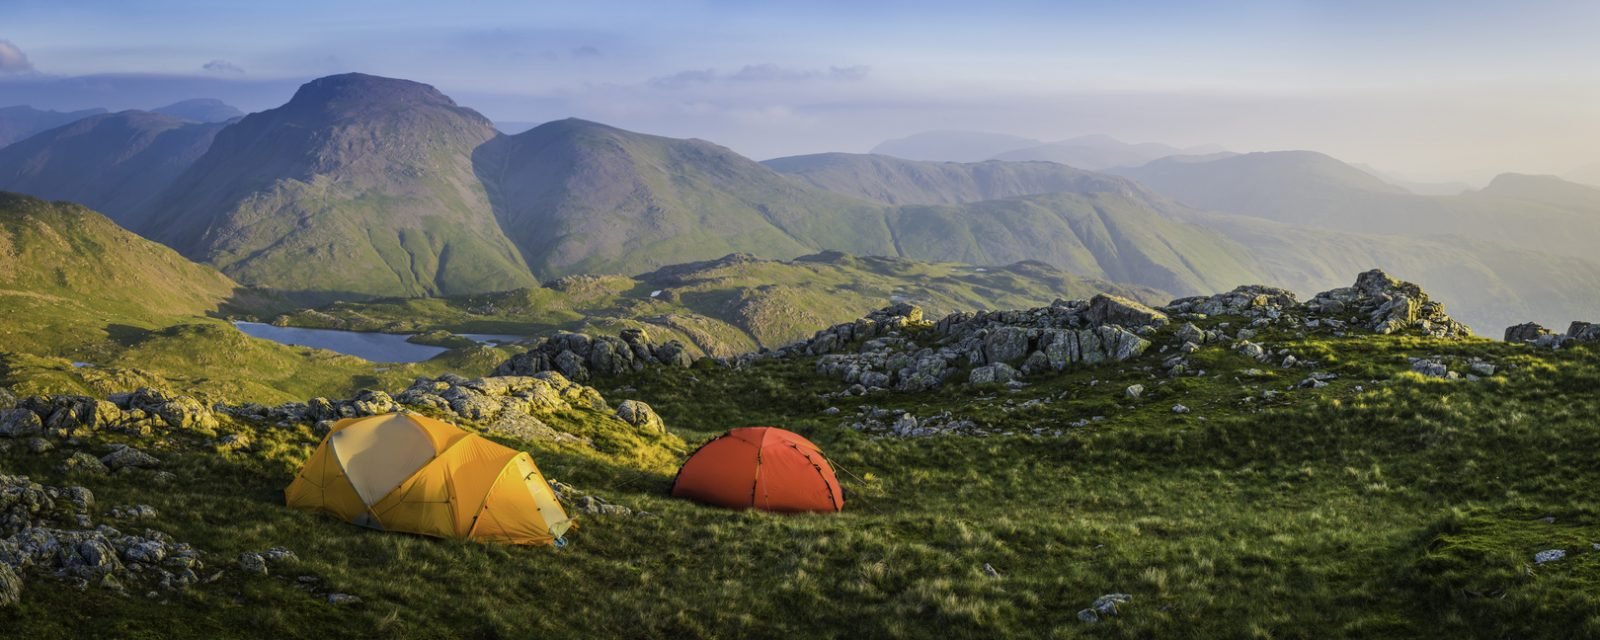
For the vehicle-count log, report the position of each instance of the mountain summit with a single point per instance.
(359, 184)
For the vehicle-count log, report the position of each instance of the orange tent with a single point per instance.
(765, 468)
(408, 472)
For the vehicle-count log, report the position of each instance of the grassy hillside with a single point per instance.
(582, 197)
(358, 186)
(892, 180)
(1380, 504)
(71, 277)
(728, 306)
(76, 288)
(1102, 235)
(114, 163)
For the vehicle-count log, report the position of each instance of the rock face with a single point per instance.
(578, 356)
(894, 348)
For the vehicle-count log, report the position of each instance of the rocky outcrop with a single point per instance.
(1385, 305)
(1250, 301)
(514, 406)
(894, 348)
(1528, 332)
(48, 531)
(139, 412)
(1376, 302)
(578, 356)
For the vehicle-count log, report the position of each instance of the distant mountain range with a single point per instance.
(20, 122)
(372, 186)
(1093, 152)
(364, 186)
(109, 162)
(201, 110)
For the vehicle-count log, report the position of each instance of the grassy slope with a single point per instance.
(1408, 508)
(895, 181)
(70, 277)
(726, 306)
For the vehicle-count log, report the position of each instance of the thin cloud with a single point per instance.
(12, 59)
(759, 73)
(222, 66)
(585, 51)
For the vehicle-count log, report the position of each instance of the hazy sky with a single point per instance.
(1433, 89)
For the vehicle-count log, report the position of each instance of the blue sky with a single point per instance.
(1430, 88)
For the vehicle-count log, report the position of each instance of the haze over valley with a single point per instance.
(711, 320)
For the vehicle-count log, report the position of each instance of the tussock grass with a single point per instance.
(1407, 507)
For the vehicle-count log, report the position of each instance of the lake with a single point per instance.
(377, 347)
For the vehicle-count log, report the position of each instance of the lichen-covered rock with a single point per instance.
(1386, 305)
(992, 373)
(10, 586)
(20, 423)
(641, 416)
(1526, 332)
(80, 462)
(129, 458)
(1109, 309)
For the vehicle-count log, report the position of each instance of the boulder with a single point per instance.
(1525, 332)
(993, 373)
(129, 457)
(641, 416)
(20, 423)
(1109, 309)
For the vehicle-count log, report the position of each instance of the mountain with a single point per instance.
(69, 276)
(20, 122)
(952, 146)
(1302, 187)
(582, 197)
(892, 180)
(1588, 174)
(1488, 285)
(201, 110)
(724, 307)
(1544, 189)
(579, 196)
(1100, 152)
(114, 163)
(359, 185)
(1312, 189)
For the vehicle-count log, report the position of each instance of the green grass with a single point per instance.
(724, 308)
(1408, 508)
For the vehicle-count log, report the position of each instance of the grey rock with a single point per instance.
(640, 415)
(343, 599)
(129, 457)
(20, 423)
(252, 563)
(10, 586)
(1134, 391)
(1178, 408)
(1549, 555)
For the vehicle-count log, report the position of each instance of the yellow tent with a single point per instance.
(407, 472)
